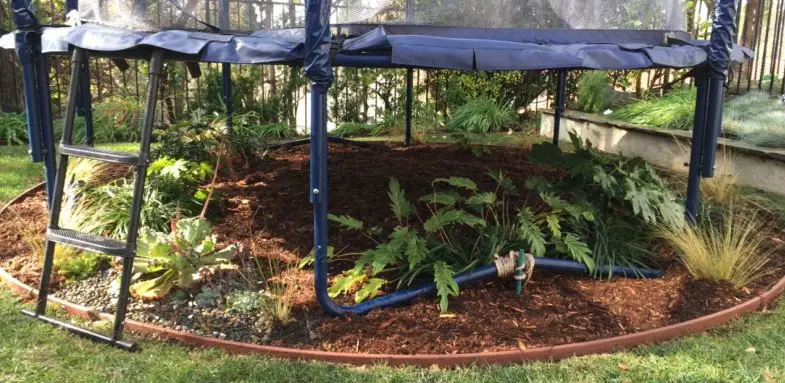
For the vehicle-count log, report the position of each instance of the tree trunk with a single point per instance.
(749, 32)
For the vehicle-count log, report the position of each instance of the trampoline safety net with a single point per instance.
(252, 15)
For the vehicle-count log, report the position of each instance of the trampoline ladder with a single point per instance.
(84, 241)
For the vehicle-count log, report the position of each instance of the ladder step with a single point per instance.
(83, 332)
(100, 154)
(88, 242)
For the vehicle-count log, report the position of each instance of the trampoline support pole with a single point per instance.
(708, 116)
(23, 51)
(226, 77)
(561, 85)
(698, 141)
(407, 140)
(713, 125)
(45, 123)
(35, 82)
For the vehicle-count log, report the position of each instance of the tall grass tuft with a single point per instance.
(721, 189)
(729, 246)
(674, 110)
(757, 119)
(356, 129)
(482, 115)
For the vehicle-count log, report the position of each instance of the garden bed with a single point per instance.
(264, 207)
(757, 167)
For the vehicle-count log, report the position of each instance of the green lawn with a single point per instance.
(752, 349)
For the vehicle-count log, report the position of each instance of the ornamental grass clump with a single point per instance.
(482, 115)
(757, 119)
(674, 110)
(722, 188)
(726, 246)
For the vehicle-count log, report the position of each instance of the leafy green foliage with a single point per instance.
(630, 182)
(13, 128)
(465, 227)
(245, 302)
(81, 265)
(401, 207)
(165, 261)
(197, 142)
(445, 283)
(594, 92)
(172, 188)
(481, 115)
(273, 131)
(117, 119)
(353, 129)
(674, 110)
(630, 201)
(755, 118)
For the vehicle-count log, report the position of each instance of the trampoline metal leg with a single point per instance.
(407, 139)
(561, 85)
(319, 195)
(713, 125)
(698, 142)
(226, 77)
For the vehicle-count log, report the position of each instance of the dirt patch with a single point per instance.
(266, 209)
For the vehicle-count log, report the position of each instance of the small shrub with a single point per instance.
(244, 302)
(352, 129)
(594, 92)
(482, 115)
(81, 266)
(198, 142)
(674, 110)
(13, 128)
(727, 247)
(247, 143)
(117, 119)
(629, 184)
(280, 130)
(165, 261)
(172, 189)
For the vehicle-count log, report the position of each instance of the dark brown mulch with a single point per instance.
(265, 207)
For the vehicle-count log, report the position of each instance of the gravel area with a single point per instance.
(204, 311)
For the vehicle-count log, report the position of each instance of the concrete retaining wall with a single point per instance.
(753, 166)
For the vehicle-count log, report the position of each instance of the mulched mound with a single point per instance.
(265, 207)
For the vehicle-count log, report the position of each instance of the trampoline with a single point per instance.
(471, 35)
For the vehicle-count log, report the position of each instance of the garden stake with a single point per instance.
(519, 265)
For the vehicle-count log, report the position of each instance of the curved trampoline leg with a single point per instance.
(319, 196)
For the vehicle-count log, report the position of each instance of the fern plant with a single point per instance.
(465, 227)
(621, 183)
(630, 199)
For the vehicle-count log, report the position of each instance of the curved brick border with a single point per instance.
(499, 357)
